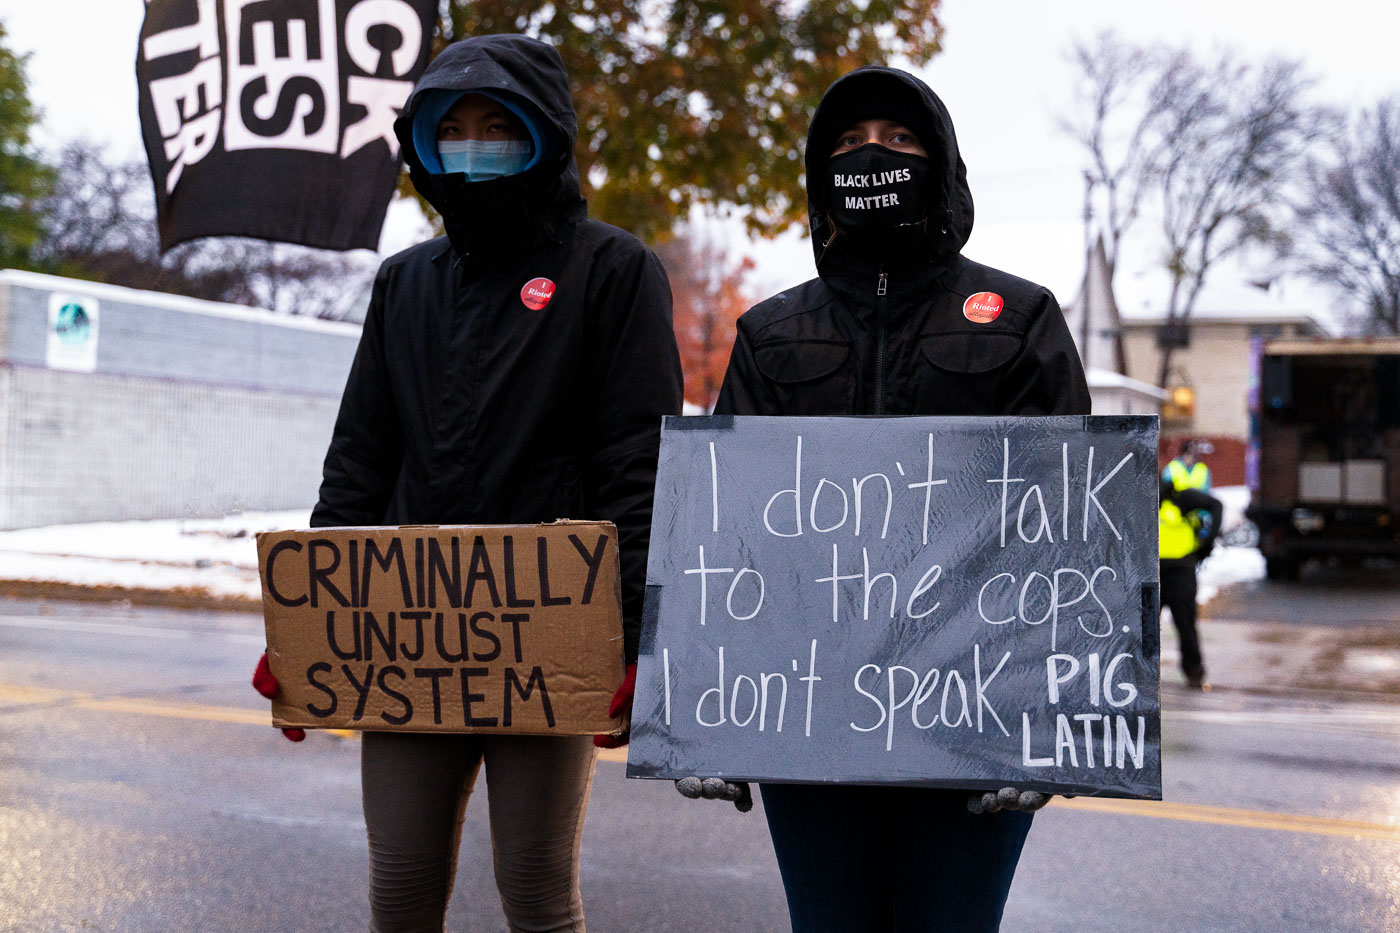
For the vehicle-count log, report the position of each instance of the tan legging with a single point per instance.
(415, 795)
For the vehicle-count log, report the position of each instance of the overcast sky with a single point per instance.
(1003, 76)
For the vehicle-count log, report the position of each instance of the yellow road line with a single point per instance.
(173, 710)
(14, 695)
(1228, 816)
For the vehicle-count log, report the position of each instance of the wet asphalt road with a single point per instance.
(1326, 594)
(139, 792)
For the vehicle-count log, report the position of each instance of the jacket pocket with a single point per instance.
(795, 361)
(807, 377)
(969, 353)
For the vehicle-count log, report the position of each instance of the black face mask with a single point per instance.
(879, 197)
(493, 216)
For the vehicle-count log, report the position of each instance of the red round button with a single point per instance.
(983, 307)
(536, 293)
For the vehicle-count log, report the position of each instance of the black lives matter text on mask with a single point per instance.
(954, 602)
(252, 111)
(874, 190)
(868, 180)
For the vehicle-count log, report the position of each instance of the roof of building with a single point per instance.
(149, 299)
(1107, 379)
(1227, 301)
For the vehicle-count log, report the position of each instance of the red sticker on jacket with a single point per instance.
(536, 293)
(982, 308)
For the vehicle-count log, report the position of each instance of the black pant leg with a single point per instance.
(891, 859)
(832, 857)
(954, 868)
(1179, 596)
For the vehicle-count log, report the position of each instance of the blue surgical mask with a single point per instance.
(481, 159)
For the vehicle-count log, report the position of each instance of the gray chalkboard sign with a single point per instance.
(948, 602)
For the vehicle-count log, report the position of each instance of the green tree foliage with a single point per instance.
(684, 103)
(23, 177)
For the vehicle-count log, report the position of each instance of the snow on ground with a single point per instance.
(1228, 565)
(219, 556)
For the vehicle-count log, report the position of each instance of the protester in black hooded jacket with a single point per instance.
(514, 371)
(897, 323)
(467, 404)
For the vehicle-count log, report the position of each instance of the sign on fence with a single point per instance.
(949, 602)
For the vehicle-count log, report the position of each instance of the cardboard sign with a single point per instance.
(503, 628)
(946, 602)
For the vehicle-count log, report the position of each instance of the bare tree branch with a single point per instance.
(1349, 218)
(1213, 145)
(99, 223)
(1240, 135)
(1120, 103)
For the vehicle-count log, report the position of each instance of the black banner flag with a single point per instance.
(274, 118)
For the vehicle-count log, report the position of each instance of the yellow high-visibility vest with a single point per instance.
(1198, 477)
(1175, 535)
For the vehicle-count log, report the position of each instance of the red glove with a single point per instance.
(267, 685)
(621, 704)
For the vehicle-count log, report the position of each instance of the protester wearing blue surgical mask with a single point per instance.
(512, 372)
(489, 150)
(479, 135)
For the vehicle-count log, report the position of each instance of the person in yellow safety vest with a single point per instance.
(1189, 471)
(1180, 548)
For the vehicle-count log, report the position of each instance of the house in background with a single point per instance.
(1212, 369)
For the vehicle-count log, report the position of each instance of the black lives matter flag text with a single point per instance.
(949, 602)
(274, 118)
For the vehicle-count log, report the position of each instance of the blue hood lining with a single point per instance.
(435, 103)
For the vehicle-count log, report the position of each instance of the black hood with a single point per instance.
(873, 91)
(527, 69)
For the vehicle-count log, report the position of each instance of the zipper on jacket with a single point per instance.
(880, 290)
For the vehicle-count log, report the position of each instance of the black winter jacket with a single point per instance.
(467, 402)
(872, 336)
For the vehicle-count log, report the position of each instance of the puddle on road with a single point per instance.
(1371, 663)
(1367, 659)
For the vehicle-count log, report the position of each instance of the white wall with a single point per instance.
(193, 409)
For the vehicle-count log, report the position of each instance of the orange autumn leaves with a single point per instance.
(708, 289)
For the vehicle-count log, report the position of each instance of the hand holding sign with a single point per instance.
(716, 789)
(620, 708)
(1008, 798)
(267, 685)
